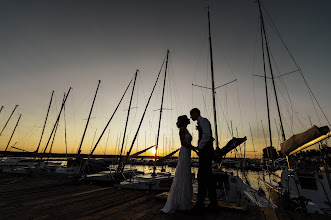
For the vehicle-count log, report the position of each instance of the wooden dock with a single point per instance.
(41, 198)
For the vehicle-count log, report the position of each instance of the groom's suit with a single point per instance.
(206, 151)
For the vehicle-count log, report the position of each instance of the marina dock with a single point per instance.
(41, 198)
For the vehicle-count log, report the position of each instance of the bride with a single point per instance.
(181, 192)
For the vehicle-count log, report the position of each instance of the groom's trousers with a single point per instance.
(206, 182)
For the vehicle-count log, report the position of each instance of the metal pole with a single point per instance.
(88, 120)
(42, 133)
(13, 132)
(8, 119)
(158, 131)
(212, 81)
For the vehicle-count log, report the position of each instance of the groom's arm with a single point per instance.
(206, 128)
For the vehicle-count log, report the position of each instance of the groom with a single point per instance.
(205, 151)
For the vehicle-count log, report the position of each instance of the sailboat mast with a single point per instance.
(56, 122)
(129, 109)
(158, 131)
(8, 119)
(212, 80)
(42, 133)
(142, 118)
(13, 132)
(271, 72)
(266, 89)
(102, 133)
(88, 120)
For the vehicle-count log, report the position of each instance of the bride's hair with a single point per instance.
(181, 120)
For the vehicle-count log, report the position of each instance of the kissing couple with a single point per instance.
(181, 191)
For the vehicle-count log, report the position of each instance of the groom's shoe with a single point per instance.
(199, 207)
(213, 206)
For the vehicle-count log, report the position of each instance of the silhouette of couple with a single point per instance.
(181, 192)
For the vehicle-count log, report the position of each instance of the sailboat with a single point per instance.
(109, 176)
(124, 177)
(230, 187)
(302, 188)
(159, 181)
(306, 190)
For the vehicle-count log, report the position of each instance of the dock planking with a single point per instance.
(41, 198)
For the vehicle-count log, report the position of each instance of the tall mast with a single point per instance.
(271, 72)
(42, 133)
(57, 125)
(212, 80)
(142, 119)
(158, 131)
(129, 109)
(1, 109)
(8, 119)
(88, 120)
(102, 133)
(56, 122)
(13, 132)
(266, 88)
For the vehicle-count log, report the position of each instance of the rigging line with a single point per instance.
(88, 119)
(253, 67)
(42, 133)
(13, 133)
(96, 144)
(24, 140)
(32, 132)
(57, 125)
(173, 80)
(265, 75)
(241, 119)
(148, 114)
(319, 120)
(266, 45)
(133, 141)
(227, 107)
(204, 101)
(298, 67)
(265, 139)
(95, 132)
(8, 119)
(279, 137)
(102, 101)
(289, 103)
(257, 123)
(104, 152)
(161, 110)
(175, 88)
(74, 110)
(65, 131)
(134, 117)
(250, 128)
(51, 147)
(56, 122)
(201, 48)
(227, 123)
(288, 95)
(128, 114)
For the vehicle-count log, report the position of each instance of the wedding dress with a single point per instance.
(181, 191)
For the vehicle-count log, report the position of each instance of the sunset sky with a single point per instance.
(54, 45)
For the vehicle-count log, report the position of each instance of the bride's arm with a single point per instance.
(182, 132)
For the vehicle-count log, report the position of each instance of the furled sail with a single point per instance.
(232, 144)
(168, 156)
(300, 139)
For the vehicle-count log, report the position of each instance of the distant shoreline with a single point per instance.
(63, 155)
